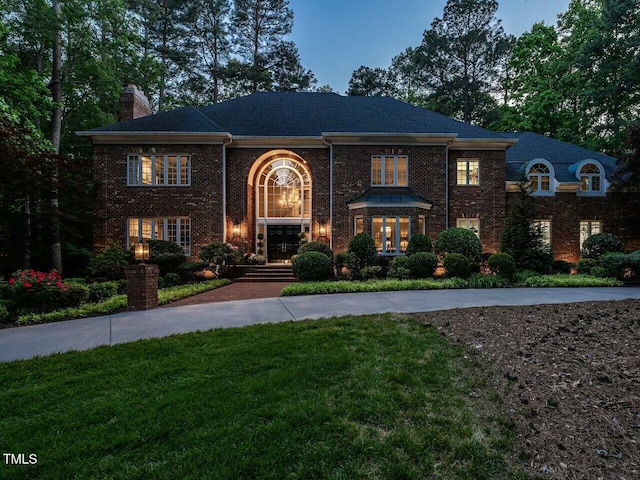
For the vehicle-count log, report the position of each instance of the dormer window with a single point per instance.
(541, 177)
(590, 178)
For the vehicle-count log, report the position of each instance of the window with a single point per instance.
(422, 225)
(472, 224)
(389, 170)
(540, 176)
(358, 225)
(159, 170)
(176, 230)
(588, 228)
(284, 190)
(590, 178)
(391, 234)
(468, 172)
(545, 228)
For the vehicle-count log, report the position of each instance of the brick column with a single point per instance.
(142, 286)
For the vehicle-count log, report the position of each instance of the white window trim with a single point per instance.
(355, 224)
(137, 180)
(398, 238)
(590, 222)
(539, 221)
(395, 170)
(154, 220)
(604, 183)
(553, 183)
(466, 221)
(467, 160)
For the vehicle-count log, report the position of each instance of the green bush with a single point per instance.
(316, 246)
(459, 240)
(169, 280)
(474, 267)
(419, 243)
(633, 262)
(363, 252)
(503, 265)
(599, 272)
(400, 268)
(76, 295)
(99, 292)
(456, 265)
(371, 273)
(546, 281)
(169, 262)
(122, 286)
(4, 313)
(584, 266)
(560, 266)
(383, 263)
(220, 257)
(422, 264)
(614, 264)
(111, 262)
(164, 247)
(521, 277)
(311, 266)
(487, 281)
(597, 245)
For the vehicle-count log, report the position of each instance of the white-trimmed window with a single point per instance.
(468, 171)
(472, 224)
(391, 234)
(172, 229)
(545, 228)
(159, 170)
(390, 170)
(422, 225)
(358, 225)
(590, 178)
(541, 177)
(588, 228)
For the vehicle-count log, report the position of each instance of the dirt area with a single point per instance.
(569, 376)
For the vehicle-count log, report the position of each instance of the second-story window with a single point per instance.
(468, 172)
(389, 170)
(159, 170)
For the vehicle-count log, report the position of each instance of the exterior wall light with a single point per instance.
(141, 251)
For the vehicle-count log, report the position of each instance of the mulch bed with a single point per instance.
(569, 377)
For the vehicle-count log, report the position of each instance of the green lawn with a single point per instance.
(357, 397)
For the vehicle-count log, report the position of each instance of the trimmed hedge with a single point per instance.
(422, 265)
(459, 240)
(456, 265)
(311, 266)
(503, 265)
(584, 265)
(316, 246)
(419, 243)
(597, 245)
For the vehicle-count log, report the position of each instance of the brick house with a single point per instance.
(277, 164)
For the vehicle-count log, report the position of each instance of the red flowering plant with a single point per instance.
(37, 291)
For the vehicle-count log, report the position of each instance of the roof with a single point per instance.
(301, 114)
(379, 196)
(563, 156)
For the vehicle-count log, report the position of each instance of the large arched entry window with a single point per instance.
(283, 206)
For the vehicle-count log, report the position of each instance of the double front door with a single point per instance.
(282, 242)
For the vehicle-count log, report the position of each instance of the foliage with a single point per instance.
(502, 264)
(163, 247)
(311, 266)
(599, 272)
(37, 291)
(110, 262)
(459, 240)
(220, 257)
(384, 263)
(600, 243)
(456, 265)
(372, 272)
(560, 266)
(422, 265)
(372, 82)
(76, 294)
(419, 243)
(478, 280)
(546, 281)
(614, 264)
(316, 246)
(169, 262)
(521, 276)
(99, 292)
(400, 268)
(347, 286)
(633, 261)
(169, 280)
(362, 250)
(522, 236)
(584, 265)
(4, 313)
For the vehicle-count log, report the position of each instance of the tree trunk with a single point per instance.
(56, 132)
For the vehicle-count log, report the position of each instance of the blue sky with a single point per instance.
(335, 37)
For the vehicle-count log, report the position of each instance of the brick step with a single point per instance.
(268, 273)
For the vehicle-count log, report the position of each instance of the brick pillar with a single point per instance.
(142, 286)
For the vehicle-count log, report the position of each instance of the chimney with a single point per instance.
(133, 103)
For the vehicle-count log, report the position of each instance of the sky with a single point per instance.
(335, 37)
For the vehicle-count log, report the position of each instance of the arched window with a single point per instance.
(541, 176)
(284, 190)
(590, 178)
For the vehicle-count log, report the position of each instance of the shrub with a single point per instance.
(503, 265)
(456, 265)
(474, 267)
(111, 262)
(400, 268)
(383, 263)
(219, 256)
(164, 247)
(371, 273)
(99, 292)
(419, 243)
(522, 276)
(560, 266)
(169, 280)
(614, 264)
(4, 313)
(311, 266)
(37, 291)
(597, 245)
(422, 264)
(487, 281)
(122, 286)
(363, 252)
(599, 272)
(316, 246)
(584, 266)
(342, 259)
(190, 270)
(169, 262)
(76, 295)
(633, 262)
(459, 240)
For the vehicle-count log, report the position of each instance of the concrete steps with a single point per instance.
(268, 273)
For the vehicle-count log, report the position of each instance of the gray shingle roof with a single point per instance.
(181, 120)
(561, 155)
(386, 195)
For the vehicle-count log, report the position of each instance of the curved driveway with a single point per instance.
(84, 334)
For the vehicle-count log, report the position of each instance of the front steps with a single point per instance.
(267, 273)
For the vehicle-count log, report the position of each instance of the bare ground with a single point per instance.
(569, 377)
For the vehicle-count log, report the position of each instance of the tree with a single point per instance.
(522, 237)
(457, 67)
(287, 72)
(367, 82)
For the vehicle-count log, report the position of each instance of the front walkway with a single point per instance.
(84, 334)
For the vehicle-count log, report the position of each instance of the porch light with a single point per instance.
(141, 251)
(236, 229)
(323, 229)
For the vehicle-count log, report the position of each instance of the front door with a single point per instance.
(282, 242)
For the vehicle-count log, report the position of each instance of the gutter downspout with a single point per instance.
(330, 190)
(224, 187)
(446, 188)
